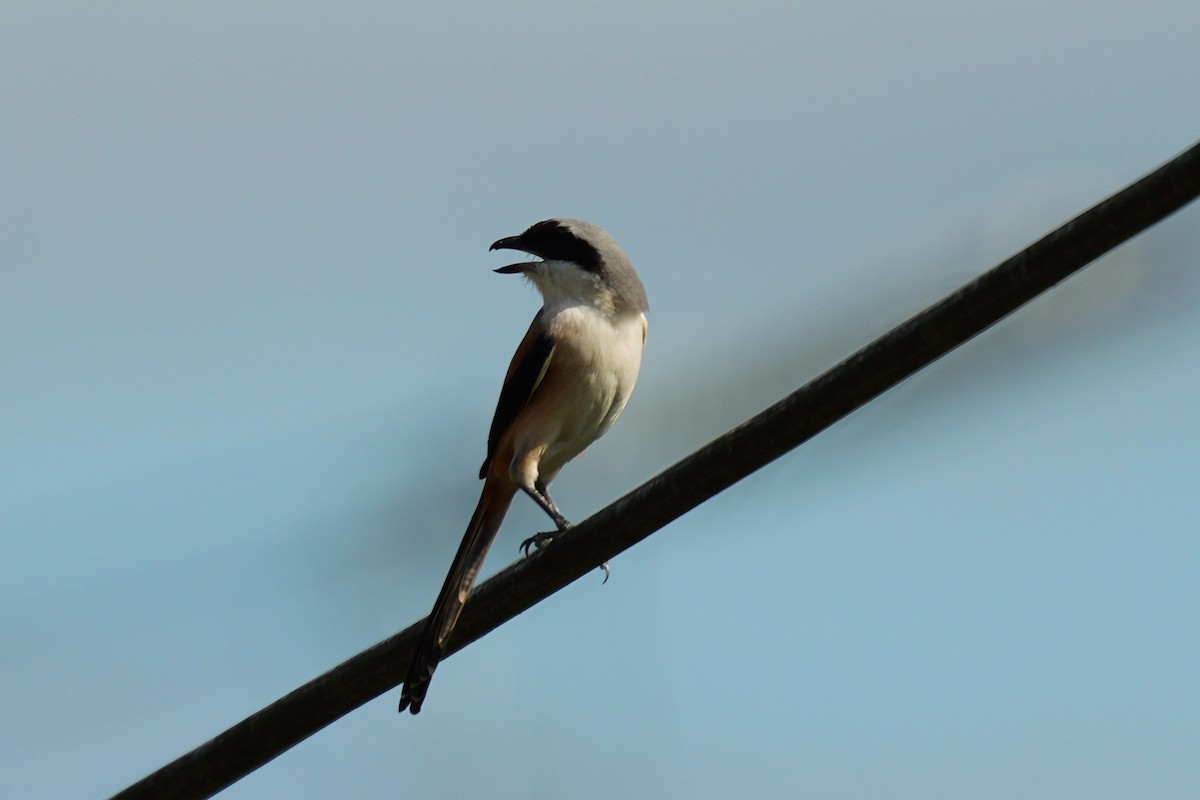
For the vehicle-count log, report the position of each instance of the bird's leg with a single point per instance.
(541, 496)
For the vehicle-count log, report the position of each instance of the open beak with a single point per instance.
(513, 243)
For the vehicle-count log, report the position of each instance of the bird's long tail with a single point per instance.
(493, 505)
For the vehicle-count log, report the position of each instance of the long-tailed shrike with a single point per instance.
(568, 381)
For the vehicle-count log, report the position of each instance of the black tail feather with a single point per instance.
(485, 523)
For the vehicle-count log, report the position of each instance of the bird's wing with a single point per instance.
(526, 371)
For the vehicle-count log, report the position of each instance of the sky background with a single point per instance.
(251, 343)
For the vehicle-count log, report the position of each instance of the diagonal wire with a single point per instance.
(793, 420)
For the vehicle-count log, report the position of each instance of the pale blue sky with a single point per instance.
(251, 344)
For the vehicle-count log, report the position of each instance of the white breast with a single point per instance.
(603, 354)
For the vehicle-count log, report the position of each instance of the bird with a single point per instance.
(568, 381)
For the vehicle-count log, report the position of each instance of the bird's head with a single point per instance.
(578, 262)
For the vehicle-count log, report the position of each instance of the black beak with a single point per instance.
(507, 243)
(511, 243)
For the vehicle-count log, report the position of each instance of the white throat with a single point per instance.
(563, 283)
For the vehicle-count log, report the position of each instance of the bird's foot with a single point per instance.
(538, 541)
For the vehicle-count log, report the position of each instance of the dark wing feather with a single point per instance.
(524, 374)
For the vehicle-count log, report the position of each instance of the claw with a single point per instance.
(538, 541)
